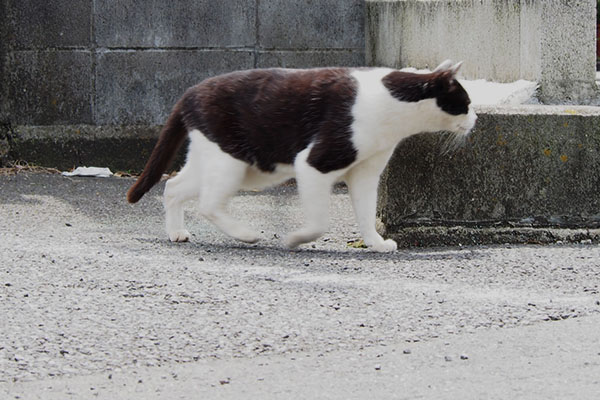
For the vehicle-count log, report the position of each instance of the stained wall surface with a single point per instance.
(547, 41)
(98, 62)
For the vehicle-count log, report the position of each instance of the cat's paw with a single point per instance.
(247, 236)
(297, 238)
(386, 246)
(292, 241)
(180, 235)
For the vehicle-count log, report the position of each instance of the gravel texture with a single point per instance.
(89, 286)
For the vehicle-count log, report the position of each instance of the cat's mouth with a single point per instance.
(464, 129)
(466, 126)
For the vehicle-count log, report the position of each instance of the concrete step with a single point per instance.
(522, 168)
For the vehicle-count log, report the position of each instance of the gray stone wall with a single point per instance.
(99, 62)
(548, 41)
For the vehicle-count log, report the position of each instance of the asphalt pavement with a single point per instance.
(96, 303)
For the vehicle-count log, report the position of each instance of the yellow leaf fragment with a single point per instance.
(357, 244)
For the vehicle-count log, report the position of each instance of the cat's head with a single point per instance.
(452, 99)
(444, 101)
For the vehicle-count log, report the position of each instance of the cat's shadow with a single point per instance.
(274, 253)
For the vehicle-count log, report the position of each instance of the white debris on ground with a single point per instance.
(98, 172)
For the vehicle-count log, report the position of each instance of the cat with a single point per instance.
(258, 128)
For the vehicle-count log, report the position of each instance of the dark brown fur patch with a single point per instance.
(410, 87)
(266, 117)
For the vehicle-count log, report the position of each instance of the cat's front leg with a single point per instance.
(362, 181)
(314, 189)
(174, 223)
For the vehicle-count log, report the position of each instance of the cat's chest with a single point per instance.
(376, 133)
(379, 121)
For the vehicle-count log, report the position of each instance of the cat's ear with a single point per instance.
(447, 76)
(456, 67)
(448, 68)
(445, 65)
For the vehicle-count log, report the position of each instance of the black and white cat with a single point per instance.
(257, 128)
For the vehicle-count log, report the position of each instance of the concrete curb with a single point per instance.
(526, 174)
(122, 148)
(438, 236)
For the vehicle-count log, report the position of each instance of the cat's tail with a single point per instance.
(171, 137)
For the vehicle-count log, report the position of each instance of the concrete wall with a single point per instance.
(548, 41)
(101, 62)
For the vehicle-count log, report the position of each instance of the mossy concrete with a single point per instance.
(529, 170)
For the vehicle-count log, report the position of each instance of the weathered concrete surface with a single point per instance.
(319, 24)
(522, 167)
(500, 364)
(35, 24)
(121, 148)
(47, 87)
(547, 41)
(314, 58)
(101, 63)
(189, 23)
(96, 303)
(148, 93)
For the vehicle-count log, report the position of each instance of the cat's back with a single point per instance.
(266, 116)
(261, 84)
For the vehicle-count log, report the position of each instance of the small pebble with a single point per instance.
(448, 358)
(407, 351)
(464, 357)
(378, 367)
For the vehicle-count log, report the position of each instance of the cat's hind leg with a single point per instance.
(314, 189)
(362, 181)
(218, 188)
(222, 176)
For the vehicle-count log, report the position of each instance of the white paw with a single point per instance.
(248, 237)
(292, 241)
(180, 235)
(386, 246)
(297, 238)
